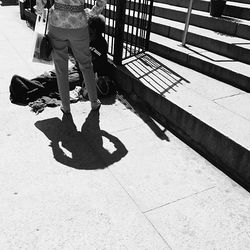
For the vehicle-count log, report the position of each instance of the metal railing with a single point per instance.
(128, 24)
(127, 27)
(137, 26)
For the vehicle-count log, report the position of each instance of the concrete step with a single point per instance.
(237, 10)
(207, 114)
(229, 26)
(197, 5)
(228, 46)
(240, 1)
(222, 68)
(217, 47)
(237, 2)
(232, 9)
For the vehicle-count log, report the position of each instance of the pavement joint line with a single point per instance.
(163, 238)
(188, 196)
(243, 117)
(224, 97)
(137, 206)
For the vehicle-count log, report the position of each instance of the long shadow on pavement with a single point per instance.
(82, 149)
(141, 110)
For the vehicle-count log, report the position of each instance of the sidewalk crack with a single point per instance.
(224, 97)
(188, 196)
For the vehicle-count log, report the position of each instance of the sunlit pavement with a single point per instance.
(109, 179)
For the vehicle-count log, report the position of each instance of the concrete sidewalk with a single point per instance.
(113, 179)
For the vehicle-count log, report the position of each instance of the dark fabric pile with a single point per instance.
(41, 91)
(40, 104)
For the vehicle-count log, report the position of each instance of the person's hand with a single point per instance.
(98, 7)
(87, 12)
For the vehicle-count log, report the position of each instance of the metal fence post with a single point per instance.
(119, 31)
(187, 23)
(149, 24)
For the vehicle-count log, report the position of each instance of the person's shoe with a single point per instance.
(75, 94)
(95, 105)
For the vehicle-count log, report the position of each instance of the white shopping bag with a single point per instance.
(38, 36)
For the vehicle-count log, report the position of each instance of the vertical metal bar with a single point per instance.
(145, 22)
(133, 26)
(110, 33)
(127, 40)
(119, 31)
(142, 31)
(187, 23)
(149, 24)
(110, 13)
(138, 23)
(113, 27)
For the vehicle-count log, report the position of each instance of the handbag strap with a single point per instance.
(48, 6)
(46, 25)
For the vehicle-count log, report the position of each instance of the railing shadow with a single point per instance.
(85, 149)
(154, 74)
(158, 77)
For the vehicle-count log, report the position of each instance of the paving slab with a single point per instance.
(162, 174)
(86, 210)
(207, 220)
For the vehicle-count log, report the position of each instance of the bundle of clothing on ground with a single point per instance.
(39, 92)
(42, 91)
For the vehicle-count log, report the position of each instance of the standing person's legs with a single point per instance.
(80, 47)
(60, 57)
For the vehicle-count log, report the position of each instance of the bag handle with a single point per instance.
(49, 4)
(46, 25)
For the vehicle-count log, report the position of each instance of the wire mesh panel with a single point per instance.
(127, 26)
(137, 26)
